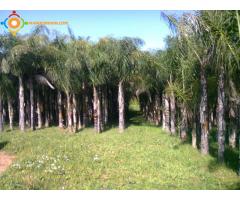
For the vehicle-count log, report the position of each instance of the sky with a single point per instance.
(146, 25)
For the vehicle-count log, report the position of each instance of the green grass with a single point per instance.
(144, 157)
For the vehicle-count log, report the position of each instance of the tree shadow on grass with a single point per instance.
(135, 117)
(233, 186)
(112, 125)
(3, 144)
(230, 155)
(107, 127)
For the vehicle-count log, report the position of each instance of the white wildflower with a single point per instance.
(96, 158)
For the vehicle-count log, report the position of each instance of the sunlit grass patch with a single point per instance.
(144, 157)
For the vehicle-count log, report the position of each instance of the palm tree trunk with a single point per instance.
(163, 112)
(99, 110)
(1, 114)
(46, 110)
(105, 105)
(56, 108)
(79, 112)
(74, 113)
(183, 131)
(85, 110)
(80, 125)
(69, 111)
(233, 124)
(238, 156)
(220, 115)
(95, 108)
(166, 113)
(28, 113)
(39, 112)
(121, 102)
(233, 136)
(84, 107)
(4, 114)
(211, 120)
(51, 107)
(204, 112)
(157, 109)
(10, 113)
(32, 120)
(194, 129)
(21, 104)
(60, 113)
(173, 113)
(194, 135)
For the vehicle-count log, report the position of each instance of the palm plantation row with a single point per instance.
(189, 88)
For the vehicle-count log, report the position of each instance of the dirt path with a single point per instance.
(5, 161)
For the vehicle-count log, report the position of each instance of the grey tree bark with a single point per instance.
(60, 113)
(50, 108)
(203, 109)
(121, 106)
(221, 115)
(10, 113)
(32, 107)
(173, 113)
(233, 136)
(166, 113)
(85, 111)
(74, 108)
(233, 116)
(21, 104)
(1, 114)
(105, 99)
(69, 112)
(101, 111)
(211, 120)
(46, 110)
(28, 113)
(239, 156)
(157, 109)
(95, 103)
(80, 126)
(84, 106)
(39, 111)
(97, 110)
(184, 125)
(233, 125)
(194, 136)
(163, 112)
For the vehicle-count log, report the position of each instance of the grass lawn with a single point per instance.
(144, 157)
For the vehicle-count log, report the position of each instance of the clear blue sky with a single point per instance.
(147, 25)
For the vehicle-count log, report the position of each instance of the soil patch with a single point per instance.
(5, 160)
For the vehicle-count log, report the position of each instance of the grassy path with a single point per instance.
(144, 157)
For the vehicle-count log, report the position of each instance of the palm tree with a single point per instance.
(98, 70)
(55, 58)
(238, 23)
(127, 55)
(170, 62)
(6, 87)
(69, 58)
(223, 29)
(192, 31)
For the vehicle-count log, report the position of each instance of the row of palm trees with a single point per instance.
(189, 87)
(72, 71)
(200, 89)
